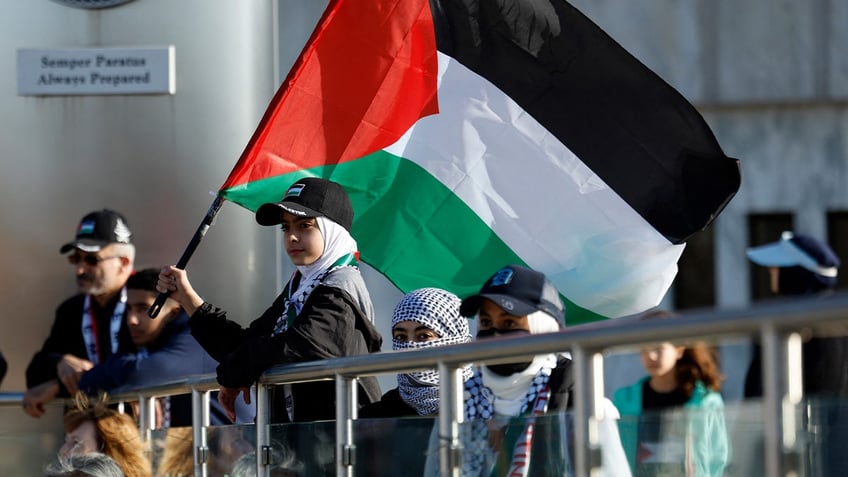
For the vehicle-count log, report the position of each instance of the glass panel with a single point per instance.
(826, 425)
(27, 444)
(391, 447)
(174, 450)
(306, 449)
(500, 446)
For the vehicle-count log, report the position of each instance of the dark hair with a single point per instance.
(699, 361)
(143, 280)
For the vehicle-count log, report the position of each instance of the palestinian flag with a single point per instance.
(471, 135)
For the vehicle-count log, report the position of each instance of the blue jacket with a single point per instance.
(706, 435)
(174, 355)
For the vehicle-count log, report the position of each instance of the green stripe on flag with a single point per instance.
(433, 228)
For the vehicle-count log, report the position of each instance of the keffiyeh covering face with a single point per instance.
(438, 310)
(509, 395)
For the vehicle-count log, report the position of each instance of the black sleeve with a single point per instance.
(63, 339)
(325, 328)
(220, 336)
(562, 386)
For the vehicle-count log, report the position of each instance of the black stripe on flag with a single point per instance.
(635, 131)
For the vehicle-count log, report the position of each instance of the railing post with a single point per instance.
(199, 424)
(450, 416)
(782, 392)
(263, 428)
(346, 406)
(146, 416)
(587, 410)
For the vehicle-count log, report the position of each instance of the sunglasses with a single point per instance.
(91, 260)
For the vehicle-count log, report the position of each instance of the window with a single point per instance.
(763, 229)
(837, 238)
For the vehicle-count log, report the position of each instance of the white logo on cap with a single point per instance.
(507, 305)
(122, 232)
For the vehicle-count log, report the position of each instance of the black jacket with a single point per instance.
(390, 405)
(66, 338)
(331, 324)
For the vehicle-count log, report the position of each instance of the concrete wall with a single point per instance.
(771, 78)
(155, 157)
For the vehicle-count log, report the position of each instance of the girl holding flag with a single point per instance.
(324, 311)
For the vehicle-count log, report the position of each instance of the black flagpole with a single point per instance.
(207, 221)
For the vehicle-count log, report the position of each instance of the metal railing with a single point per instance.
(775, 325)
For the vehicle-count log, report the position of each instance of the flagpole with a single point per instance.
(207, 221)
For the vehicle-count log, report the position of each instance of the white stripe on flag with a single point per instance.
(539, 198)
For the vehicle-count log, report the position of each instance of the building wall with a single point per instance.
(153, 157)
(772, 81)
(770, 77)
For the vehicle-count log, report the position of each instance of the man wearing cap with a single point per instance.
(802, 266)
(91, 325)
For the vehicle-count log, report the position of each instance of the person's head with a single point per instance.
(426, 318)
(141, 293)
(93, 464)
(283, 463)
(798, 264)
(515, 299)
(101, 252)
(93, 425)
(687, 364)
(226, 445)
(316, 216)
(177, 453)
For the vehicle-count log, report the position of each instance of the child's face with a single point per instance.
(143, 329)
(659, 359)
(302, 239)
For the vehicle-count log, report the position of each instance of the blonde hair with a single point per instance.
(178, 455)
(117, 434)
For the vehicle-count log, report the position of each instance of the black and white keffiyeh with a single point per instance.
(438, 310)
(489, 397)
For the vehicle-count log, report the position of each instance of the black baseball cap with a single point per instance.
(519, 291)
(98, 229)
(310, 197)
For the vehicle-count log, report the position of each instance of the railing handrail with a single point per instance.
(783, 314)
(773, 323)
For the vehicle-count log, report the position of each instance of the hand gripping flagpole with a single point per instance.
(207, 221)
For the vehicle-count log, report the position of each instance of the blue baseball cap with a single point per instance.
(795, 250)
